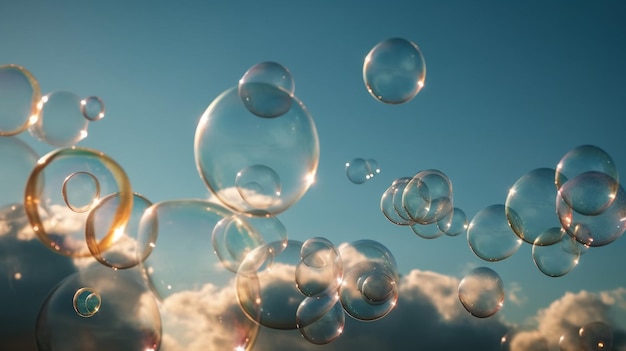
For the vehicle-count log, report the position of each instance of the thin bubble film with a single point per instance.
(481, 292)
(19, 98)
(489, 235)
(61, 122)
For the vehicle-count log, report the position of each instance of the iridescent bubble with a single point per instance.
(427, 231)
(454, 223)
(259, 186)
(597, 191)
(321, 319)
(596, 336)
(124, 251)
(489, 235)
(266, 89)
(557, 259)
(391, 202)
(530, 206)
(61, 122)
(394, 71)
(19, 96)
(427, 198)
(481, 292)
(320, 269)
(81, 190)
(229, 138)
(597, 230)
(123, 315)
(58, 226)
(17, 160)
(92, 108)
(358, 171)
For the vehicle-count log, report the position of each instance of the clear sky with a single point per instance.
(510, 87)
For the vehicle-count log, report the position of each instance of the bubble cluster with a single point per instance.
(360, 170)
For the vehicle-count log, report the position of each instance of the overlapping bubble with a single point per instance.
(19, 98)
(481, 292)
(360, 170)
(266, 89)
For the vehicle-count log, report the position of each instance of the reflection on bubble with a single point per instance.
(489, 235)
(86, 302)
(229, 138)
(61, 122)
(19, 96)
(394, 71)
(596, 336)
(259, 186)
(81, 190)
(92, 108)
(320, 268)
(17, 159)
(320, 319)
(557, 259)
(481, 292)
(427, 198)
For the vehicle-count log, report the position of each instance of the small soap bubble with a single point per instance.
(61, 122)
(320, 269)
(489, 235)
(86, 302)
(81, 190)
(92, 108)
(266, 89)
(358, 171)
(259, 186)
(393, 194)
(481, 292)
(427, 231)
(557, 259)
(321, 319)
(19, 98)
(455, 223)
(596, 336)
(427, 198)
(394, 71)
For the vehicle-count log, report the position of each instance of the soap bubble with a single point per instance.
(391, 202)
(427, 231)
(320, 269)
(427, 198)
(557, 259)
(531, 206)
(123, 315)
(372, 166)
(19, 96)
(570, 340)
(454, 223)
(259, 186)
(481, 292)
(596, 336)
(489, 235)
(61, 122)
(81, 190)
(58, 226)
(17, 160)
(357, 171)
(229, 139)
(267, 89)
(600, 183)
(597, 230)
(92, 108)
(394, 71)
(321, 319)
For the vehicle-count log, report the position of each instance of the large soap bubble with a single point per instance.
(19, 98)
(481, 292)
(61, 122)
(394, 71)
(489, 235)
(266, 89)
(256, 165)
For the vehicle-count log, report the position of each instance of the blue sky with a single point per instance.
(510, 87)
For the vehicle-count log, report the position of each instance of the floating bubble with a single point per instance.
(266, 89)
(229, 138)
(597, 230)
(92, 108)
(596, 191)
(427, 198)
(259, 186)
(596, 336)
(388, 199)
(19, 96)
(321, 319)
(394, 71)
(427, 231)
(61, 122)
(372, 166)
(123, 315)
(358, 171)
(320, 269)
(481, 292)
(570, 340)
(59, 227)
(124, 251)
(17, 160)
(530, 206)
(454, 223)
(81, 190)
(557, 259)
(489, 235)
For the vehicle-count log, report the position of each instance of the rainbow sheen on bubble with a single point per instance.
(19, 98)
(481, 292)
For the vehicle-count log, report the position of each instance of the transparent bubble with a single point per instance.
(259, 186)
(454, 223)
(598, 230)
(596, 336)
(427, 198)
(320, 269)
(372, 166)
(394, 71)
(124, 250)
(320, 319)
(17, 160)
(58, 226)
(61, 122)
(596, 194)
(81, 190)
(271, 297)
(266, 89)
(358, 171)
(234, 237)
(19, 96)
(481, 292)
(229, 138)
(530, 206)
(92, 108)
(570, 340)
(391, 202)
(427, 231)
(86, 302)
(116, 303)
(557, 259)
(362, 250)
(489, 235)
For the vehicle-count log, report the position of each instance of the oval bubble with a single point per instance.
(259, 186)
(455, 223)
(557, 259)
(321, 319)
(92, 108)
(427, 198)
(116, 303)
(56, 225)
(81, 190)
(489, 235)
(320, 268)
(596, 336)
(358, 171)
(393, 194)
(229, 138)
(481, 292)
(17, 160)
(530, 206)
(19, 98)
(61, 122)
(394, 71)
(602, 190)
(266, 89)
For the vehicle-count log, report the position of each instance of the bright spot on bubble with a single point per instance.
(596, 336)
(391, 203)
(61, 123)
(266, 89)
(92, 108)
(259, 186)
(427, 198)
(320, 319)
(481, 292)
(19, 98)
